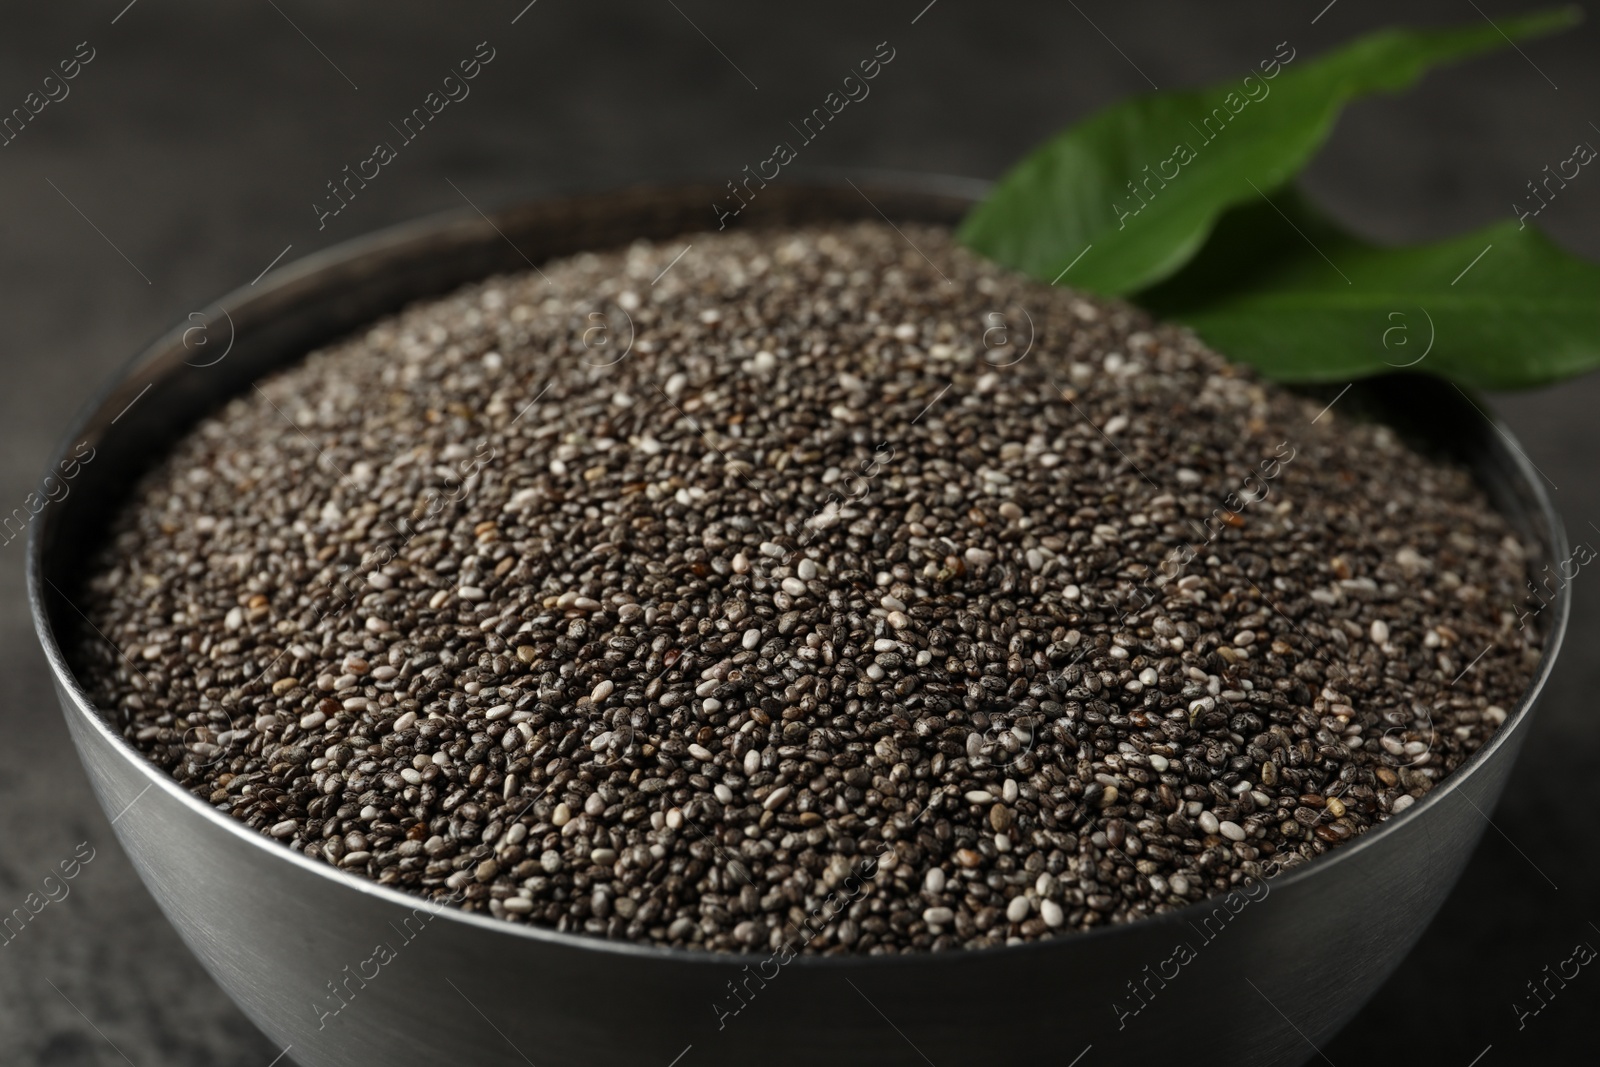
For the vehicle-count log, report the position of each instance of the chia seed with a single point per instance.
(649, 609)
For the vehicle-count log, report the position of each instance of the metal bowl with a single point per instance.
(346, 972)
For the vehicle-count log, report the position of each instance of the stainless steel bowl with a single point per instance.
(291, 940)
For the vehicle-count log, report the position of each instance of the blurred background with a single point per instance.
(194, 142)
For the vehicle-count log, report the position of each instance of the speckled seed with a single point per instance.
(669, 648)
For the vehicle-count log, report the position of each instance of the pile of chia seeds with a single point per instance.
(828, 587)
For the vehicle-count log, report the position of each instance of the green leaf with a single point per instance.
(1193, 155)
(1285, 290)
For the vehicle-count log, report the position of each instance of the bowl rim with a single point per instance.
(390, 238)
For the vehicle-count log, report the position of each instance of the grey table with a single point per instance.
(193, 145)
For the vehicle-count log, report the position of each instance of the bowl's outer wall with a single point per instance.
(280, 932)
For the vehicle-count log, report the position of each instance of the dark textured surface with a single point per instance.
(198, 138)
